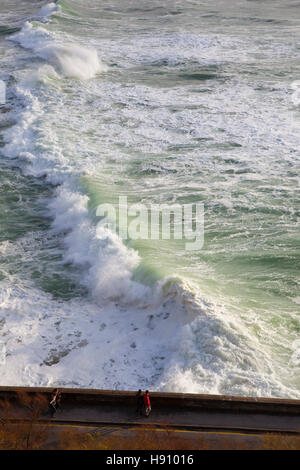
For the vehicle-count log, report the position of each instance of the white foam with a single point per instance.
(73, 61)
(173, 348)
(47, 11)
(107, 262)
(70, 60)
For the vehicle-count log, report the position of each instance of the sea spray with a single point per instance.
(101, 254)
(45, 13)
(70, 60)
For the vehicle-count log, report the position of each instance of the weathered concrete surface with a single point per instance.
(210, 412)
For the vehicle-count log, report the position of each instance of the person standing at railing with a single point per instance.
(147, 403)
(140, 402)
(55, 401)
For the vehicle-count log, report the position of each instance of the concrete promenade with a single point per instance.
(95, 408)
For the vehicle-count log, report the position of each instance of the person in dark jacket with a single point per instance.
(52, 402)
(140, 402)
(58, 400)
(147, 403)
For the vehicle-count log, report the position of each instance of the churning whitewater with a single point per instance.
(181, 103)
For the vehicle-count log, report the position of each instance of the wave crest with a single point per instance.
(70, 60)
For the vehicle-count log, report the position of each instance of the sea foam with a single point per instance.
(47, 11)
(70, 60)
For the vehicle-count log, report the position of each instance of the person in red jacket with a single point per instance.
(147, 403)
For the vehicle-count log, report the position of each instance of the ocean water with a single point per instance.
(161, 102)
